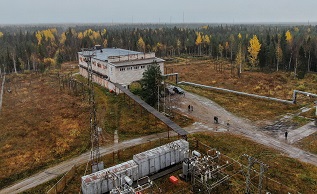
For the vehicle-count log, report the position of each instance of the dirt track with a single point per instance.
(204, 111)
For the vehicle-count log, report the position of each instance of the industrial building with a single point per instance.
(114, 65)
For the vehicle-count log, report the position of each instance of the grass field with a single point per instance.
(40, 125)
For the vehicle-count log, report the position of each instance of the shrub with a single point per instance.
(301, 87)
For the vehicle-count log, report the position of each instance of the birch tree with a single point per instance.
(141, 45)
(239, 57)
(278, 52)
(289, 40)
(254, 49)
(198, 42)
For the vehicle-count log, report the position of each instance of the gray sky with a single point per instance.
(163, 11)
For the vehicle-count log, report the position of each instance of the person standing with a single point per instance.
(188, 108)
(286, 133)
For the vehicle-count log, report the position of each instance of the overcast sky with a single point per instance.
(163, 11)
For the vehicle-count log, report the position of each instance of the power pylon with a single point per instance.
(96, 165)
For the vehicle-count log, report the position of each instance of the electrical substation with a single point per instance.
(209, 172)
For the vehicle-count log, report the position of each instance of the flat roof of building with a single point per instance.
(105, 53)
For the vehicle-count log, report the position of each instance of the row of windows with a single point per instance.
(130, 68)
(99, 65)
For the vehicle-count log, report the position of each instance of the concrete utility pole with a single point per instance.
(96, 165)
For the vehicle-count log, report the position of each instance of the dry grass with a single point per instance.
(39, 125)
(309, 143)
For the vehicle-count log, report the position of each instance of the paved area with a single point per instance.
(300, 133)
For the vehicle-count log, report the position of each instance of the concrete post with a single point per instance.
(294, 96)
(316, 113)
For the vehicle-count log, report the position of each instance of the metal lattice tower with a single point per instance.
(94, 134)
(263, 168)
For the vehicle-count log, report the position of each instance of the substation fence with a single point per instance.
(61, 184)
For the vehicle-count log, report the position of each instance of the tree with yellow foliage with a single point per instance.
(80, 36)
(278, 52)
(63, 38)
(198, 42)
(254, 49)
(288, 36)
(1, 34)
(239, 58)
(141, 45)
(289, 40)
(103, 33)
(49, 63)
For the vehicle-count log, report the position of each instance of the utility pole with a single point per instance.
(96, 165)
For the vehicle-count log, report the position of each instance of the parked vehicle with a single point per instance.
(169, 90)
(178, 90)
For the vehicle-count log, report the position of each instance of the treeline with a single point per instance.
(261, 47)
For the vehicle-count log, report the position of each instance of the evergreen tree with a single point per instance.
(152, 79)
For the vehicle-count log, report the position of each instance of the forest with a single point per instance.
(258, 47)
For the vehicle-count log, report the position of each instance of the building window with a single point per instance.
(136, 67)
(122, 69)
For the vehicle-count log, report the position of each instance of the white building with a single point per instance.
(113, 65)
